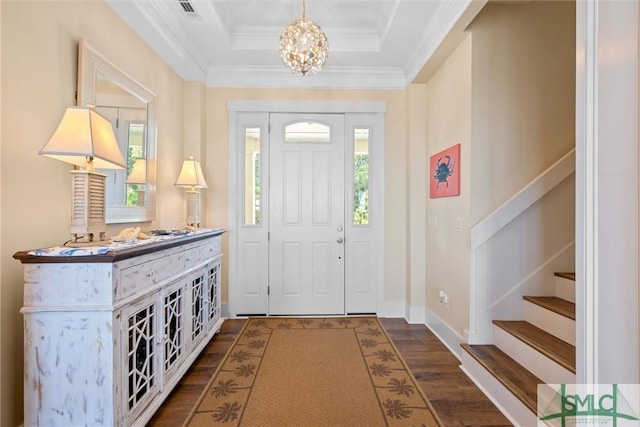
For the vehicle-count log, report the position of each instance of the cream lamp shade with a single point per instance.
(191, 177)
(84, 138)
(138, 173)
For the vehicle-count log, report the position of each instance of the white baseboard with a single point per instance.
(417, 315)
(393, 310)
(225, 310)
(449, 337)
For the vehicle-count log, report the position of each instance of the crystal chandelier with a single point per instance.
(303, 46)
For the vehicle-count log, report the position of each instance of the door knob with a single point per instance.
(340, 240)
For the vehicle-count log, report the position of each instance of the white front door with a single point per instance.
(307, 214)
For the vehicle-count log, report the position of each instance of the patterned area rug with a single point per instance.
(313, 372)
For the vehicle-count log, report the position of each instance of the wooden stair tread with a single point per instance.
(557, 305)
(570, 276)
(518, 380)
(554, 348)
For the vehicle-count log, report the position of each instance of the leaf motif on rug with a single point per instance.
(397, 409)
(227, 412)
(224, 388)
(400, 387)
(379, 370)
(385, 355)
(240, 356)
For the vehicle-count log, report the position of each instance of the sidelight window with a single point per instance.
(361, 178)
(252, 176)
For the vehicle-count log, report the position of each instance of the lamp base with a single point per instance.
(87, 206)
(193, 209)
(81, 244)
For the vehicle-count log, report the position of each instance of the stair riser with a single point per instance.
(549, 321)
(512, 408)
(565, 289)
(537, 363)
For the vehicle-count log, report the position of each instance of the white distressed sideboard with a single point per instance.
(108, 336)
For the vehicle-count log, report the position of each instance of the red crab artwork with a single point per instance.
(444, 173)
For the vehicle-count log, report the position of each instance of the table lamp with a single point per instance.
(191, 177)
(138, 176)
(85, 139)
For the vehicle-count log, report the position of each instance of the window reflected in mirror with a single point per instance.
(361, 176)
(137, 172)
(252, 176)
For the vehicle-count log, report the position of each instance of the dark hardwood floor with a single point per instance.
(457, 401)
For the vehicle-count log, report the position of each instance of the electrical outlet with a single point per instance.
(444, 298)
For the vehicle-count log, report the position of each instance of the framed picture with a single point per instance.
(444, 173)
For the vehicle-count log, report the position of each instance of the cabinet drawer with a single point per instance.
(139, 276)
(211, 249)
(185, 259)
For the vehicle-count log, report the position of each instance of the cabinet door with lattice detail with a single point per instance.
(214, 311)
(197, 306)
(174, 338)
(141, 374)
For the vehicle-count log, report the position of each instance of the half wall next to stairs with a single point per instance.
(519, 259)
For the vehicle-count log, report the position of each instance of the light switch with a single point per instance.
(458, 225)
(433, 221)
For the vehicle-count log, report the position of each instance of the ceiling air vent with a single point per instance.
(187, 7)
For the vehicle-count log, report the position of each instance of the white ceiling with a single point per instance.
(373, 44)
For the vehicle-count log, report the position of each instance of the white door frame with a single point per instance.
(368, 109)
(607, 192)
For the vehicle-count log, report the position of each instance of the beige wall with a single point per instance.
(194, 139)
(39, 69)
(395, 158)
(523, 96)
(417, 190)
(448, 122)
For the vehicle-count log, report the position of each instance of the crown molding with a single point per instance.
(450, 17)
(278, 76)
(189, 65)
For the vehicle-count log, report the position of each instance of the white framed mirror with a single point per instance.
(131, 109)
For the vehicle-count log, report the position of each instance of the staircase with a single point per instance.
(538, 349)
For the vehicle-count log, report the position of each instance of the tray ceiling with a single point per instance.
(373, 44)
